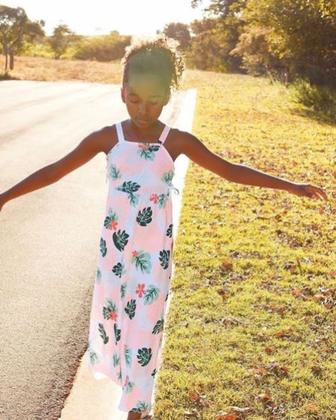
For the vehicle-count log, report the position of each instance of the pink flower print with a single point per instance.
(114, 224)
(113, 315)
(144, 146)
(140, 289)
(134, 253)
(154, 197)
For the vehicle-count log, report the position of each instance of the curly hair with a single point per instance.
(158, 56)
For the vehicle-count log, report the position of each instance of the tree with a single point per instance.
(14, 28)
(180, 32)
(60, 39)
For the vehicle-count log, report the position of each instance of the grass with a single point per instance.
(251, 328)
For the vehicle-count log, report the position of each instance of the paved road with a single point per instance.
(49, 239)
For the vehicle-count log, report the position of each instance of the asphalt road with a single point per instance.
(49, 238)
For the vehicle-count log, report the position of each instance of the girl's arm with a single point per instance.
(86, 150)
(242, 174)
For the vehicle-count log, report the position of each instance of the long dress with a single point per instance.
(134, 269)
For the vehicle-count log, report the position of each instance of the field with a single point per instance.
(251, 327)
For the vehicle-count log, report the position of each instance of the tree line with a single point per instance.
(284, 38)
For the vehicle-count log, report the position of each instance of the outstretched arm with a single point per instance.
(192, 147)
(86, 150)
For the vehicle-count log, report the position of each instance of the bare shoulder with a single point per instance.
(105, 138)
(190, 145)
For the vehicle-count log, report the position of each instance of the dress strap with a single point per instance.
(164, 134)
(120, 133)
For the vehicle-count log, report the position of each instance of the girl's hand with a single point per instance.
(308, 190)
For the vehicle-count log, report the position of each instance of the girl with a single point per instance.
(136, 244)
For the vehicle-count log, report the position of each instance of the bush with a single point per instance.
(318, 99)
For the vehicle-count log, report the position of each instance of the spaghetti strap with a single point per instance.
(164, 134)
(120, 133)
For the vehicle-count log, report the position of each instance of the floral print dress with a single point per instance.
(134, 269)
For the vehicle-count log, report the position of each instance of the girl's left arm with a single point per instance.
(192, 147)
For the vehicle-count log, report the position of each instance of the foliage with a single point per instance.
(320, 100)
(180, 32)
(102, 48)
(15, 28)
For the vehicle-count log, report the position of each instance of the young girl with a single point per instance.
(136, 245)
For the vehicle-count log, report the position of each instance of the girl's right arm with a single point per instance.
(86, 150)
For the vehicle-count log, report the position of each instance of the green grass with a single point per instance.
(252, 318)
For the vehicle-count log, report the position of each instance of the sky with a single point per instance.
(128, 17)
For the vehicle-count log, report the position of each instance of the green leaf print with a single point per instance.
(111, 220)
(120, 239)
(119, 375)
(168, 177)
(145, 216)
(128, 387)
(128, 187)
(117, 332)
(118, 269)
(110, 310)
(123, 288)
(130, 308)
(158, 326)
(164, 258)
(141, 406)
(144, 355)
(103, 248)
(128, 356)
(148, 151)
(169, 231)
(162, 200)
(153, 373)
(102, 333)
(93, 357)
(98, 274)
(151, 294)
(114, 172)
(115, 360)
(142, 261)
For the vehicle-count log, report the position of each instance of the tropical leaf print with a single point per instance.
(115, 360)
(93, 357)
(168, 177)
(142, 261)
(141, 406)
(110, 310)
(153, 373)
(158, 326)
(164, 258)
(103, 248)
(151, 294)
(145, 216)
(114, 172)
(120, 239)
(130, 188)
(102, 333)
(123, 288)
(128, 356)
(130, 308)
(117, 332)
(98, 274)
(111, 220)
(119, 375)
(128, 386)
(144, 355)
(118, 269)
(169, 231)
(147, 150)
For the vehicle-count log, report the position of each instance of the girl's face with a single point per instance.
(144, 97)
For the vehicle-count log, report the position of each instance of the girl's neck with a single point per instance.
(150, 133)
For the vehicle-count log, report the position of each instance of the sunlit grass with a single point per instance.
(252, 320)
